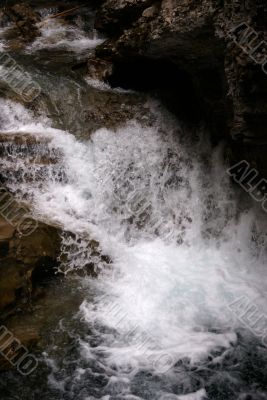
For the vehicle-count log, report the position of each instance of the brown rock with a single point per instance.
(99, 69)
(25, 19)
(150, 11)
(6, 230)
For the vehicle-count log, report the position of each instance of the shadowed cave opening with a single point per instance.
(173, 86)
(194, 96)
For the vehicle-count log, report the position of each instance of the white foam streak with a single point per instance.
(55, 34)
(105, 87)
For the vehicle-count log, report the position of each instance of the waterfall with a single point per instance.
(163, 319)
(181, 249)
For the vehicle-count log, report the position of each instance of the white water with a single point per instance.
(105, 87)
(163, 210)
(57, 35)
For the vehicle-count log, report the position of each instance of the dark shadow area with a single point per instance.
(163, 80)
(45, 269)
(4, 248)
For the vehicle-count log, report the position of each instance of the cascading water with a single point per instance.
(157, 321)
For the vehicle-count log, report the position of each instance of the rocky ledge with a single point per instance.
(209, 54)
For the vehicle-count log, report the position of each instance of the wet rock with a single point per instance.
(26, 334)
(28, 249)
(102, 107)
(82, 256)
(20, 150)
(25, 19)
(116, 15)
(6, 230)
(23, 256)
(99, 69)
(229, 87)
(150, 12)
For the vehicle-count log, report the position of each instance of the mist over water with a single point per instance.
(156, 322)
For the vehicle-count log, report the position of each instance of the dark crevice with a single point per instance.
(163, 79)
(45, 269)
(4, 248)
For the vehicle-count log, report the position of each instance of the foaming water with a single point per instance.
(102, 86)
(163, 210)
(181, 251)
(55, 34)
(15, 117)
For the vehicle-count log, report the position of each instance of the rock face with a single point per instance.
(25, 19)
(21, 259)
(117, 14)
(221, 47)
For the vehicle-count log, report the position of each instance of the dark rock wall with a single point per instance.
(229, 87)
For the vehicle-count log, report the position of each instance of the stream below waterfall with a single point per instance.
(181, 249)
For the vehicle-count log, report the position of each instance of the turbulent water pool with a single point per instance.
(178, 311)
